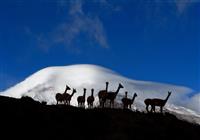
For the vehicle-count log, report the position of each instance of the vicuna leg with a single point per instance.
(147, 108)
(161, 109)
(100, 103)
(111, 104)
(152, 108)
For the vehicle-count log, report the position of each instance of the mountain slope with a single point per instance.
(44, 84)
(25, 118)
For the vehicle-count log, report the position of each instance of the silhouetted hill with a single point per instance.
(26, 118)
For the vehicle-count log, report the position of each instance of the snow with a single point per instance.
(44, 84)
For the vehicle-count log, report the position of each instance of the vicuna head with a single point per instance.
(67, 87)
(74, 90)
(120, 85)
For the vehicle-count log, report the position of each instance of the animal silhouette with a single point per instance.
(90, 99)
(59, 96)
(127, 102)
(68, 98)
(81, 99)
(156, 102)
(102, 95)
(112, 95)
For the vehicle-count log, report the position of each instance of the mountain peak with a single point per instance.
(46, 83)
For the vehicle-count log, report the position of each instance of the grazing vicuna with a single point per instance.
(69, 97)
(59, 96)
(112, 95)
(102, 95)
(127, 102)
(156, 102)
(81, 99)
(90, 99)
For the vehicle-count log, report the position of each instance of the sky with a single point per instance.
(150, 40)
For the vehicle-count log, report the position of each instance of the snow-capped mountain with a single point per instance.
(44, 84)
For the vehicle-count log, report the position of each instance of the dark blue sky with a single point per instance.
(153, 40)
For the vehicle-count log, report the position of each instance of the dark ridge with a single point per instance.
(26, 118)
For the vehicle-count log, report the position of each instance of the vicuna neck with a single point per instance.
(106, 86)
(133, 98)
(118, 89)
(167, 97)
(72, 93)
(65, 90)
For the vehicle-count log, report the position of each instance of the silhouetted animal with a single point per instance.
(69, 97)
(112, 95)
(127, 102)
(81, 99)
(102, 95)
(59, 96)
(156, 102)
(90, 99)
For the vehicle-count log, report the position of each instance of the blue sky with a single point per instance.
(151, 40)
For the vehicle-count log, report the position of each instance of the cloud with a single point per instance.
(107, 5)
(182, 5)
(76, 7)
(78, 27)
(194, 102)
(79, 23)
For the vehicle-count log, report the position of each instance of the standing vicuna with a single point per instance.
(90, 99)
(102, 95)
(69, 97)
(59, 96)
(81, 99)
(127, 102)
(112, 95)
(156, 102)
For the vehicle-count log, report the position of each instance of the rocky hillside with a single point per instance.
(26, 118)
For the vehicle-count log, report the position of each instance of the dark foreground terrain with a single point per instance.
(27, 119)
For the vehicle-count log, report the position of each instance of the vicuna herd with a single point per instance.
(108, 96)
